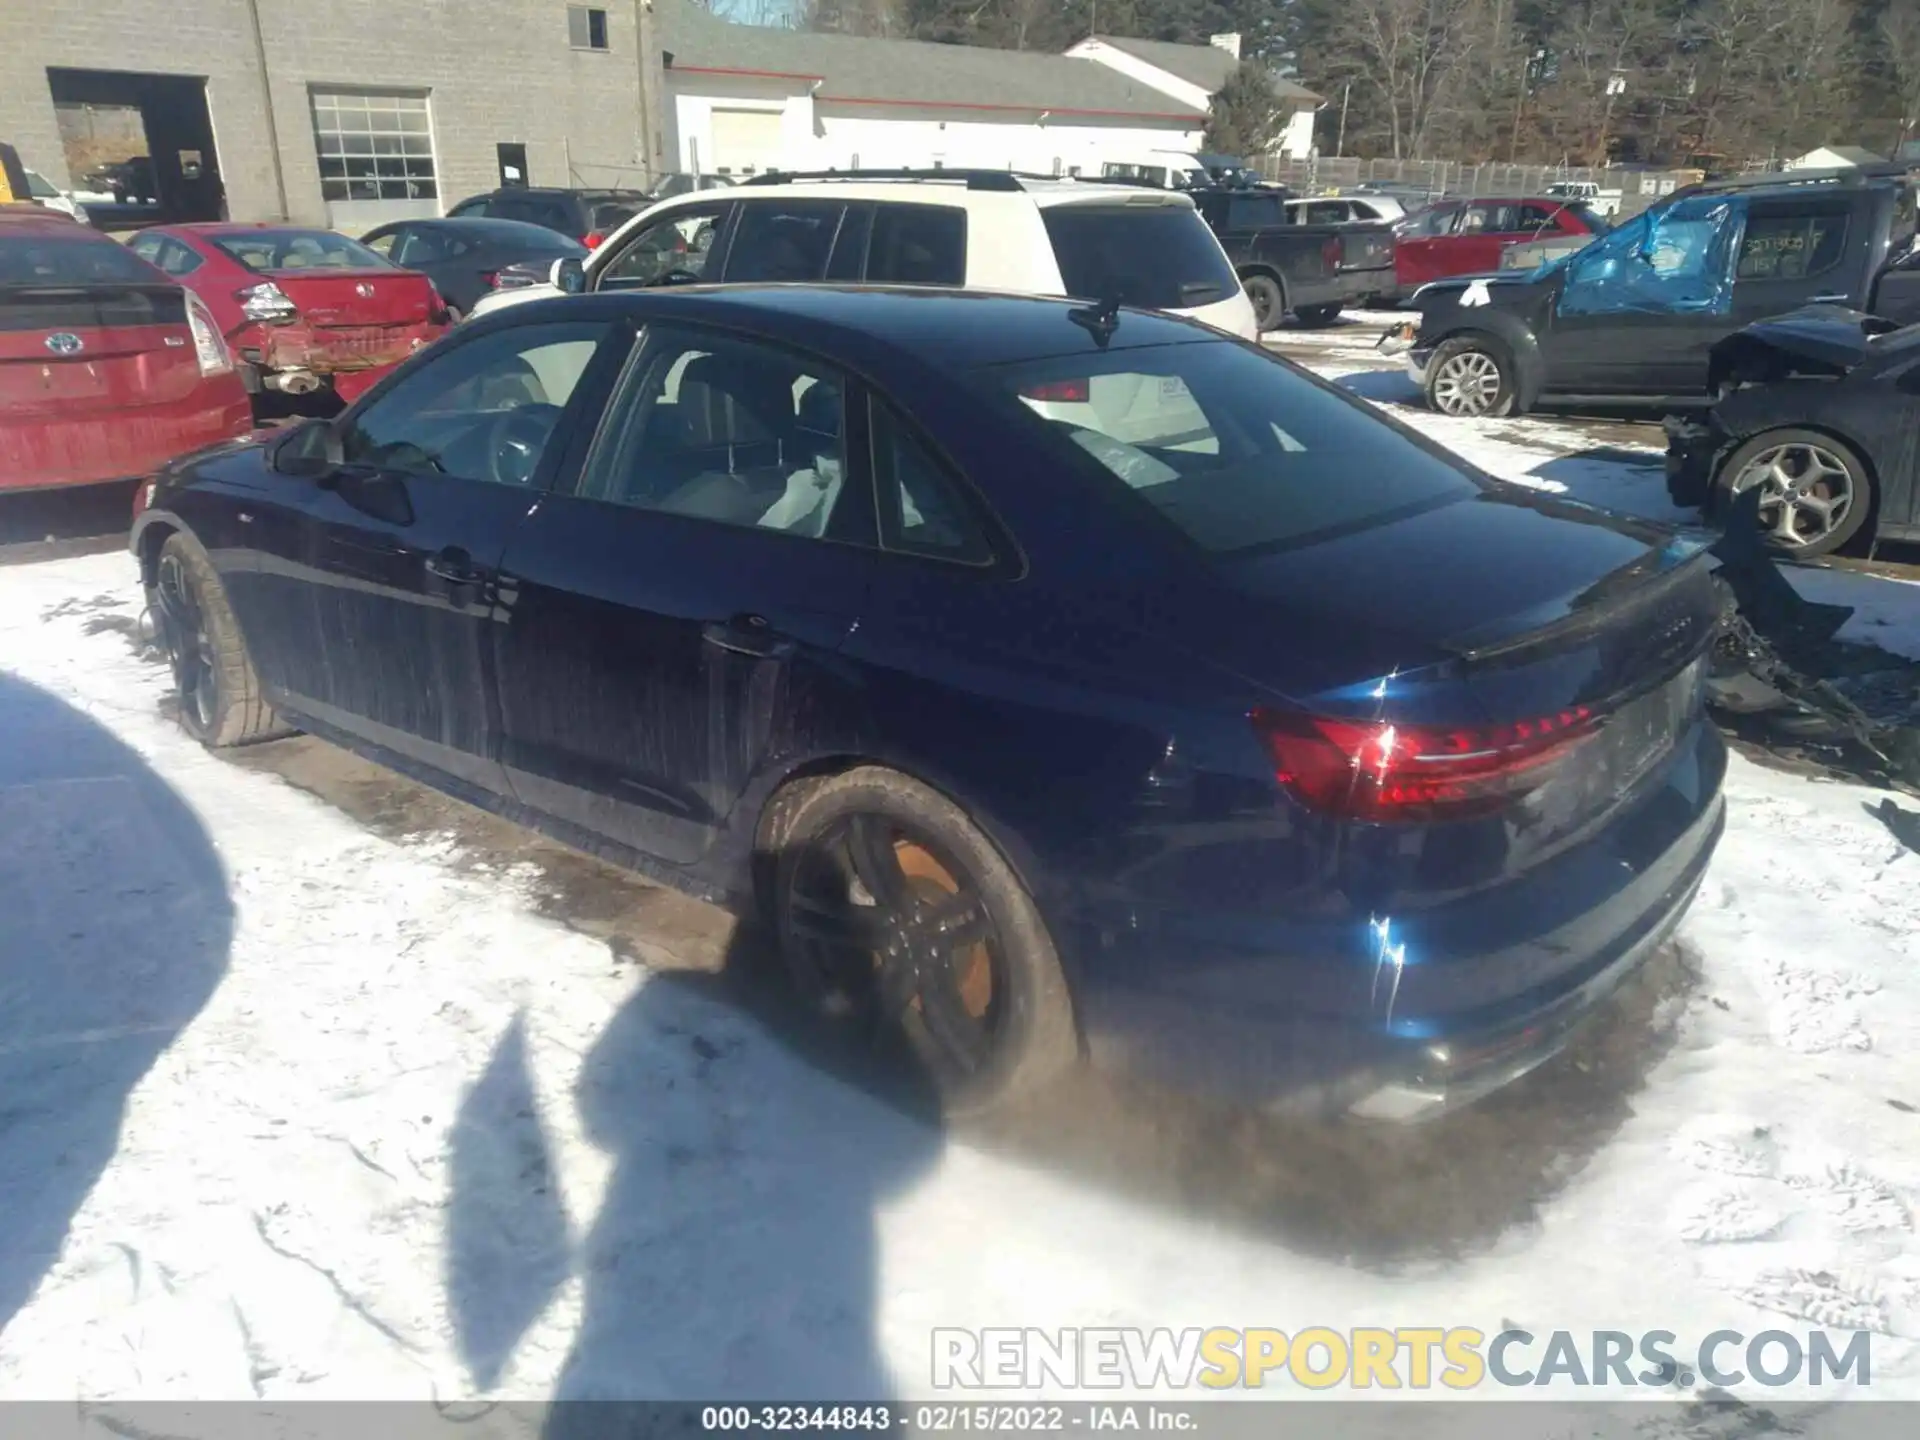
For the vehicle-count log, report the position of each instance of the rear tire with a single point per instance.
(1316, 317)
(1269, 300)
(1471, 377)
(897, 918)
(219, 693)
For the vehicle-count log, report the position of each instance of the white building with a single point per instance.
(1193, 75)
(746, 99)
(1836, 157)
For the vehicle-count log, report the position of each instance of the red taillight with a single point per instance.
(491, 279)
(1068, 392)
(1331, 250)
(592, 239)
(1384, 772)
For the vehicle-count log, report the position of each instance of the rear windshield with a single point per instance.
(76, 259)
(1161, 257)
(1233, 447)
(298, 250)
(612, 217)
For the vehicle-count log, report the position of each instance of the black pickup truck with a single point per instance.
(1312, 270)
(1633, 318)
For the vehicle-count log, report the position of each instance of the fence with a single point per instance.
(1638, 188)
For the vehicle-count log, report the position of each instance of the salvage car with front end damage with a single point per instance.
(1820, 415)
(1632, 318)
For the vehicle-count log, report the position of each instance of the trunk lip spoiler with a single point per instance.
(1672, 567)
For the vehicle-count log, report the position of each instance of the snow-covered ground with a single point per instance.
(290, 1108)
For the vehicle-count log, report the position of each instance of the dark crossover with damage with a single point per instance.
(1820, 416)
(1631, 319)
(1014, 654)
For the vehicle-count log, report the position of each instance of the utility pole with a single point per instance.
(1340, 141)
(653, 96)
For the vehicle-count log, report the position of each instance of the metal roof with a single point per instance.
(1207, 66)
(859, 70)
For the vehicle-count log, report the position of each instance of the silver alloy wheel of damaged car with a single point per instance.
(1467, 380)
(1812, 490)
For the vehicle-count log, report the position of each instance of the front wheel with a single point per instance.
(219, 693)
(1815, 492)
(1468, 378)
(1269, 300)
(1316, 317)
(897, 918)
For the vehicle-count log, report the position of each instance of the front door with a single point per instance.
(1637, 313)
(403, 541)
(670, 620)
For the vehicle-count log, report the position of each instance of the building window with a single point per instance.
(373, 147)
(586, 29)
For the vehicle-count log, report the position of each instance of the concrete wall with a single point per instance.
(493, 70)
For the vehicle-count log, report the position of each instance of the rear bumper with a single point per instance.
(325, 351)
(1303, 1015)
(91, 447)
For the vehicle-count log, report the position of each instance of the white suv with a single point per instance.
(978, 229)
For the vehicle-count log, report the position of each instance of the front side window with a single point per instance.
(1231, 446)
(1490, 220)
(1438, 220)
(1160, 257)
(482, 411)
(784, 240)
(675, 247)
(1672, 259)
(726, 430)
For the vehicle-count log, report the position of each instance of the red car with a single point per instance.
(107, 367)
(1465, 237)
(303, 309)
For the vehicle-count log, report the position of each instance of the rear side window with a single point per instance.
(784, 240)
(1231, 446)
(1160, 257)
(1255, 212)
(468, 208)
(918, 245)
(1792, 247)
(922, 510)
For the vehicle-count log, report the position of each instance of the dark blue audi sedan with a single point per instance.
(1060, 679)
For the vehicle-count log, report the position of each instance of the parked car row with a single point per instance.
(1771, 313)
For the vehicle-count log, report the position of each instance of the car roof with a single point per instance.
(935, 189)
(38, 217)
(875, 325)
(247, 227)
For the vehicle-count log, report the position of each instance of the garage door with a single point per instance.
(745, 142)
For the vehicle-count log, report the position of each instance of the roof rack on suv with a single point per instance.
(973, 179)
(1846, 176)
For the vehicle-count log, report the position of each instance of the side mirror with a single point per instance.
(568, 276)
(310, 449)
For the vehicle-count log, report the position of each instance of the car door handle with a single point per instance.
(456, 567)
(1829, 300)
(747, 635)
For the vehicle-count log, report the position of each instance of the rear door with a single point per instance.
(668, 617)
(783, 240)
(403, 540)
(1420, 255)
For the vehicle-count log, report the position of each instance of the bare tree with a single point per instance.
(1408, 53)
(1899, 31)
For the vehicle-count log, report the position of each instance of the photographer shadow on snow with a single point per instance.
(734, 1253)
(115, 927)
